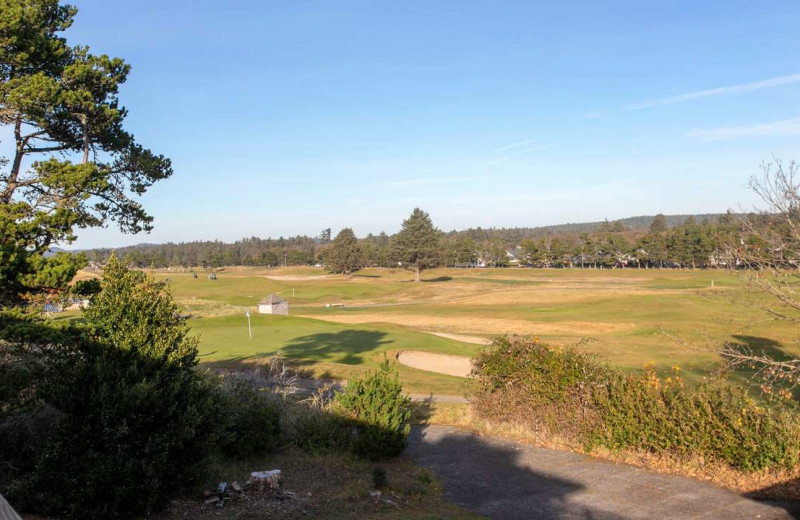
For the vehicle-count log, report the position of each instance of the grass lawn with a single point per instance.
(324, 348)
(626, 316)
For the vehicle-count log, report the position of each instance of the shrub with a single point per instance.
(249, 418)
(317, 428)
(369, 417)
(133, 415)
(572, 395)
(25, 422)
(378, 411)
(318, 431)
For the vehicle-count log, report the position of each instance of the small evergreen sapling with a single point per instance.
(379, 412)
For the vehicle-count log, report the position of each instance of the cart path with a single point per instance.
(505, 480)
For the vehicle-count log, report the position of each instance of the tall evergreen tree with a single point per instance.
(73, 164)
(466, 252)
(659, 224)
(346, 255)
(325, 236)
(416, 246)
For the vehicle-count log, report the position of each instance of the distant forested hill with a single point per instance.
(463, 246)
(640, 223)
(632, 225)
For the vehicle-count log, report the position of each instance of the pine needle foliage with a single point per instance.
(379, 412)
(416, 246)
(346, 254)
(135, 420)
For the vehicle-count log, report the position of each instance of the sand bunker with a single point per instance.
(458, 366)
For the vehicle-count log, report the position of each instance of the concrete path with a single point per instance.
(504, 480)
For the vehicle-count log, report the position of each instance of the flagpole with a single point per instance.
(249, 330)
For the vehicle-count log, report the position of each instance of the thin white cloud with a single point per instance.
(743, 88)
(522, 152)
(719, 91)
(511, 146)
(785, 128)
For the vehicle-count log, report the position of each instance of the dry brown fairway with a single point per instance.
(626, 316)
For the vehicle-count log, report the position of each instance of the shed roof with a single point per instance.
(272, 299)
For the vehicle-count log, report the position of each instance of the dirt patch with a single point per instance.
(209, 308)
(471, 325)
(459, 366)
(319, 486)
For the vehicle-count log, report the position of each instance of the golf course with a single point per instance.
(342, 325)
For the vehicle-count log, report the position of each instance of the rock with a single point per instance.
(212, 500)
(236, 487)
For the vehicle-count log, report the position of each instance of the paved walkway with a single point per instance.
(505, 480)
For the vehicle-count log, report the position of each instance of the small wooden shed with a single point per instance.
(273, 304)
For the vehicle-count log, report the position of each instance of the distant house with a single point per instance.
(273, 304)
(514, 257)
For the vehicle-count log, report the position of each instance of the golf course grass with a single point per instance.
(628, 317)
(323, 349)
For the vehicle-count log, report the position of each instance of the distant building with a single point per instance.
(273, 304)
(513, 258)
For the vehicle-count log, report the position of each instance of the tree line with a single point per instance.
(692, 244)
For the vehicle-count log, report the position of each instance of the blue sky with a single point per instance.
(285, 118)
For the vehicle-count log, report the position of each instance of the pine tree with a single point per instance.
(659, 224)
(416, 246)
(73, 165)
(346, 255)
(379, 410)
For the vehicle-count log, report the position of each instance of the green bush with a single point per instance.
(319, 431)
(25, 364)
(369, 417)
(249, 418)
(88, 287)
(378, 411)
(132, 416)
(572, 395)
